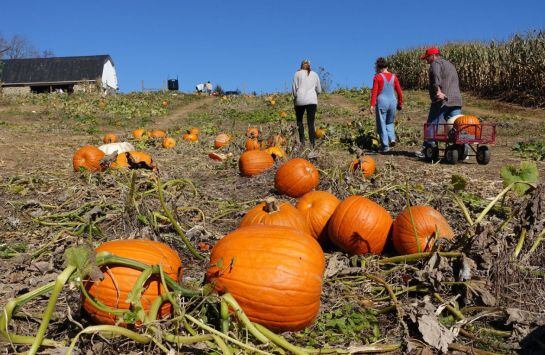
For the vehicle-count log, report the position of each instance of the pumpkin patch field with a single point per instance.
(173, 223)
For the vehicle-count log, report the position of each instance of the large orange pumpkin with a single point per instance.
(139, 133)
(364, 163)
(317, 207)
(296, 177)
(88, 158)
(254, 162)
(469, 126)
(118, 281)
(251, 144)
(276, 213)
(359, 226)
(274, 272)
(221, 140)
(109, 138)
(427, 221)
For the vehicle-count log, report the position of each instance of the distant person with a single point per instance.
(444, 89)
(200, 88)
(305, 90)
(384, 103)
(208, 87)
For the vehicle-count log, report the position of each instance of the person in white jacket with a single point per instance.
(305, 90)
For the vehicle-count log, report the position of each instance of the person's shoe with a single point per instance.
(392, 144)
(420, 154)
(384, 150)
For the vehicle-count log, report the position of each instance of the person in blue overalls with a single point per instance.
(384, 103)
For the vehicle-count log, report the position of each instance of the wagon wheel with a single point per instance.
(483, 155)
(451, 155)
(431, 153)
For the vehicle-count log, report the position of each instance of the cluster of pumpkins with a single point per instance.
(273, 263)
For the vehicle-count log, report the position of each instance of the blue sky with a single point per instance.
(256, 45)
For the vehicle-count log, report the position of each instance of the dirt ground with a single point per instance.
(45, 207)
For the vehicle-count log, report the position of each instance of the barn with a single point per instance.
(66, 74)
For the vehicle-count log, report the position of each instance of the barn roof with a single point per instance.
(52, 70)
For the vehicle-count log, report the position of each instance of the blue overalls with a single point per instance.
(386, 112)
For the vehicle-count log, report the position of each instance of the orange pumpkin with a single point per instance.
(137, 160)
(276, 141)
(359, 226)
(320, 133)
(118, 281)
(274, 272)
(276, 152)
(251, 144)
(296, 177)
(276, 213)
(254, 162)
(169, 142)
(164, 104)
(88, 158)
(190, 137)
(221, 140)
(194, 131)
(364, 163)
(411, 238)
(468, 126)
(283, 114)
(252, 132)
(109, 138)
(317, 207)
(139, 133)
(157, 133)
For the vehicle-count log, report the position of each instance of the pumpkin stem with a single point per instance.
(271, 205)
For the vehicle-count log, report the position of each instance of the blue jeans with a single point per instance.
(440, 112)
(385, 116)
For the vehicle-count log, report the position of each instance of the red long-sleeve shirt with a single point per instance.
(378, 85)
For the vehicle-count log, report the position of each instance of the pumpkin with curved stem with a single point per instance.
(469, 126)
(251, 144)
(415, 230)
(252, 132)
(118, 281)
(276, 213)
(254, 162)
(169, 142)
(88, 158)
(109, 138)
(317, 207)
(277, 281)
(365, 164)
(276, 152)
(194, 131)
(139, 133)
(221, 140)
(359, 226)
(320, 133)
(190, 137)
(296, 177)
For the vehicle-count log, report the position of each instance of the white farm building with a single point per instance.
(69, 74)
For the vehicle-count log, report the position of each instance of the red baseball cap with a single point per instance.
(430, 51)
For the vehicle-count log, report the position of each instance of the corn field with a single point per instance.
(513, 70)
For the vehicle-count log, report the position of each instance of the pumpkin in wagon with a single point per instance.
(468, 126)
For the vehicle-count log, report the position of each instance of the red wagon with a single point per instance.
(460, 142)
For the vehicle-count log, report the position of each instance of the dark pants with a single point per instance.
(311, 113)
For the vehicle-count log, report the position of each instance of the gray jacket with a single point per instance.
(443, 75)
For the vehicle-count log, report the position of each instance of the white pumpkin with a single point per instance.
(451, 121)
(120, 147)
